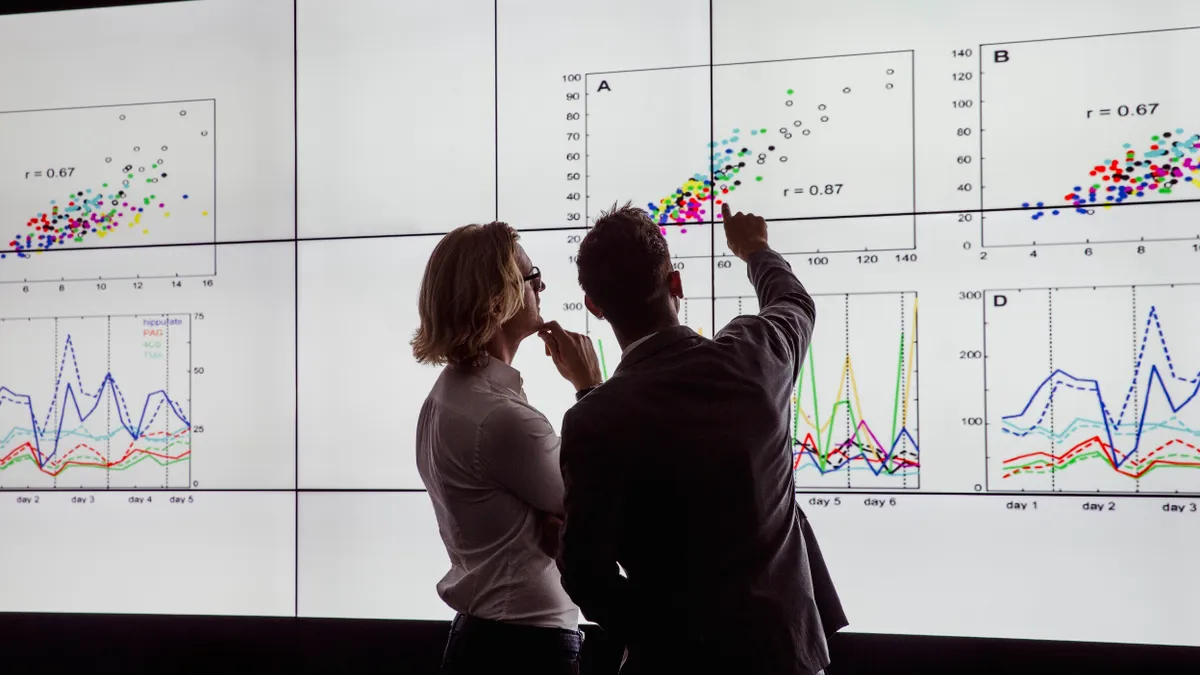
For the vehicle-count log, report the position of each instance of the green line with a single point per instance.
(825, 444)
(1023, 468)
(854, 425)
(812, 378)
(829, 433)
(603, 365)
(118, 467)
(896, 395)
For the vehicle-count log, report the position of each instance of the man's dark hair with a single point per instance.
(624, 263)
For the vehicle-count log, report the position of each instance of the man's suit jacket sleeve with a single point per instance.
(786, 315)
(594, 505)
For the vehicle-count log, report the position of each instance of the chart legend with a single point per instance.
(105, 405)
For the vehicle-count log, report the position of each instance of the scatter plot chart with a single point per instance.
(108, 177)
(1093, 390)
(854, 415)
(1083, 156)
(795, 141)
(105, 402)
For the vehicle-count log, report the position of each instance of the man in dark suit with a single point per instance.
(682, 535)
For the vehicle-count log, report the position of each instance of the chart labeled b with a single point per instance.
(1087, 141)
(854, 416)
(1093, 390)
(96, 402)
(802, 142)
(112, 177)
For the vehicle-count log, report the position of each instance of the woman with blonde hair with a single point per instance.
(490, 460)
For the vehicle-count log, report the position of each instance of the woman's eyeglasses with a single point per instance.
(536, 277)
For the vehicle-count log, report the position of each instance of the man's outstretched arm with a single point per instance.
(787, 313)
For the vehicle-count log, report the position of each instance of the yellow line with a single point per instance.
(858, 404)
(912, 352)
(848, 366)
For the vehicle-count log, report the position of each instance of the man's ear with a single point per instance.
(591, 307)
(675, 284)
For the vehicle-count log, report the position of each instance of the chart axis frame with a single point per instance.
(191, 422)
(911, 215)
(988, 488)
(983, 210)
(214, 208)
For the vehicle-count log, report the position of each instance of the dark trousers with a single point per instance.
(482, 646)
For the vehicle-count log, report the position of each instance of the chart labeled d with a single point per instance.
(1093, 390)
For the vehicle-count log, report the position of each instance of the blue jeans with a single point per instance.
(482, 646)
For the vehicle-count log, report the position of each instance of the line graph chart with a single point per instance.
(114, 412)
(785, 139)
(854, 417)
(1076, 409)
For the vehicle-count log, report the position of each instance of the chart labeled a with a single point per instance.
(96, 402)
(108, 177)
(854, 410)
(806, 143)
(1093, 390)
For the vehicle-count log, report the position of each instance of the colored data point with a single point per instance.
(791, 91)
